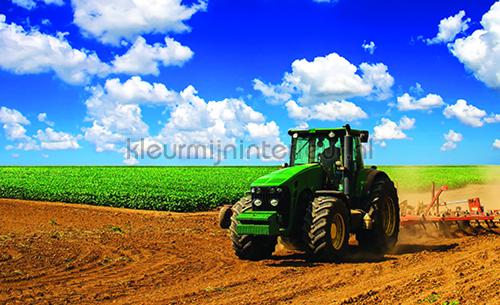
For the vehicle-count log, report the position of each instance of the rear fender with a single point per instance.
(332, 193)
(372, 175)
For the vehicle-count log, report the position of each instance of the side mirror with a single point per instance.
(284, 165)
(363, 137)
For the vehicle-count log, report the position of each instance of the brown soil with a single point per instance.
(60, 253)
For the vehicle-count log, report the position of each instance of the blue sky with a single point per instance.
(78, 78)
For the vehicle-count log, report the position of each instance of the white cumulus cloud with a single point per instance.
(42, 117)
(377, 76)
(263, 130)
(31, 4)
(465, 113)
(112, 121)
(493, 118)
(113, 20)
(369, 47)
(137, 91)
(318, 89)
(496, 144)
(130, 160)
(56, 140)
(267, 133)
(12, 116)
(480, 51)
(406, 123)
(449, 28)
(407, 102)
(29, 52)
(115, 113)
(13, 124)
(32, 52)
(275, 94)
(451, 138)
(327, 111)
(390, 130)
(27, 145)
(330, 77)
(143, 58)
(334, 77)
(218, 120)
(196, 121)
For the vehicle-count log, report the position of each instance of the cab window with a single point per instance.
(301, 154)
(322, 146)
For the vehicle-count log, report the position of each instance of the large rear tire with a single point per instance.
(249, 247)
(384, 234)
(326, 229)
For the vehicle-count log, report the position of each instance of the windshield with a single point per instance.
(308, 149)
(301, 153)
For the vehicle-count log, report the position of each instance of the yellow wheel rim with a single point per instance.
(389, 218)
(337, 231)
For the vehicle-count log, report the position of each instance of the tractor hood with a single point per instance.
(280, 177)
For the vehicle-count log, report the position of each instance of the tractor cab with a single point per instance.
(335, 149)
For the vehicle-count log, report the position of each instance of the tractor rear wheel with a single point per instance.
(326, 229)
(249, 247)
(384, 233)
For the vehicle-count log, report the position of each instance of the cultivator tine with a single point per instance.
(484, 225)
(481, 225)
(464, 227)
(424, 227)
(444, 227)
(492, 224)
(477, 228)
(488, 225)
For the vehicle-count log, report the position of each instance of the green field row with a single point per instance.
(188, 188)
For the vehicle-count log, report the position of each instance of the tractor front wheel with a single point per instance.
(326, 229)
(249, 247)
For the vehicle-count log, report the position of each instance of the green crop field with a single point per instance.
(187, 188)
(419, 178)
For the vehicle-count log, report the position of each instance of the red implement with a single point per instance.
(431, 214)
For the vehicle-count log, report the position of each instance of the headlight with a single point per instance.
(274, 190)
(274, 202)
(255, 190)
(257, 202)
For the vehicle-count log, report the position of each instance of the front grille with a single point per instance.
(283, 207)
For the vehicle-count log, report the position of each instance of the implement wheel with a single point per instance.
(384, 233)
(326, 229)
(249, 247)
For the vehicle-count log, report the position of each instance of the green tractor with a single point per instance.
(316, 202)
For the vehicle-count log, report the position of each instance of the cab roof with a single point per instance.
(339, 131)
